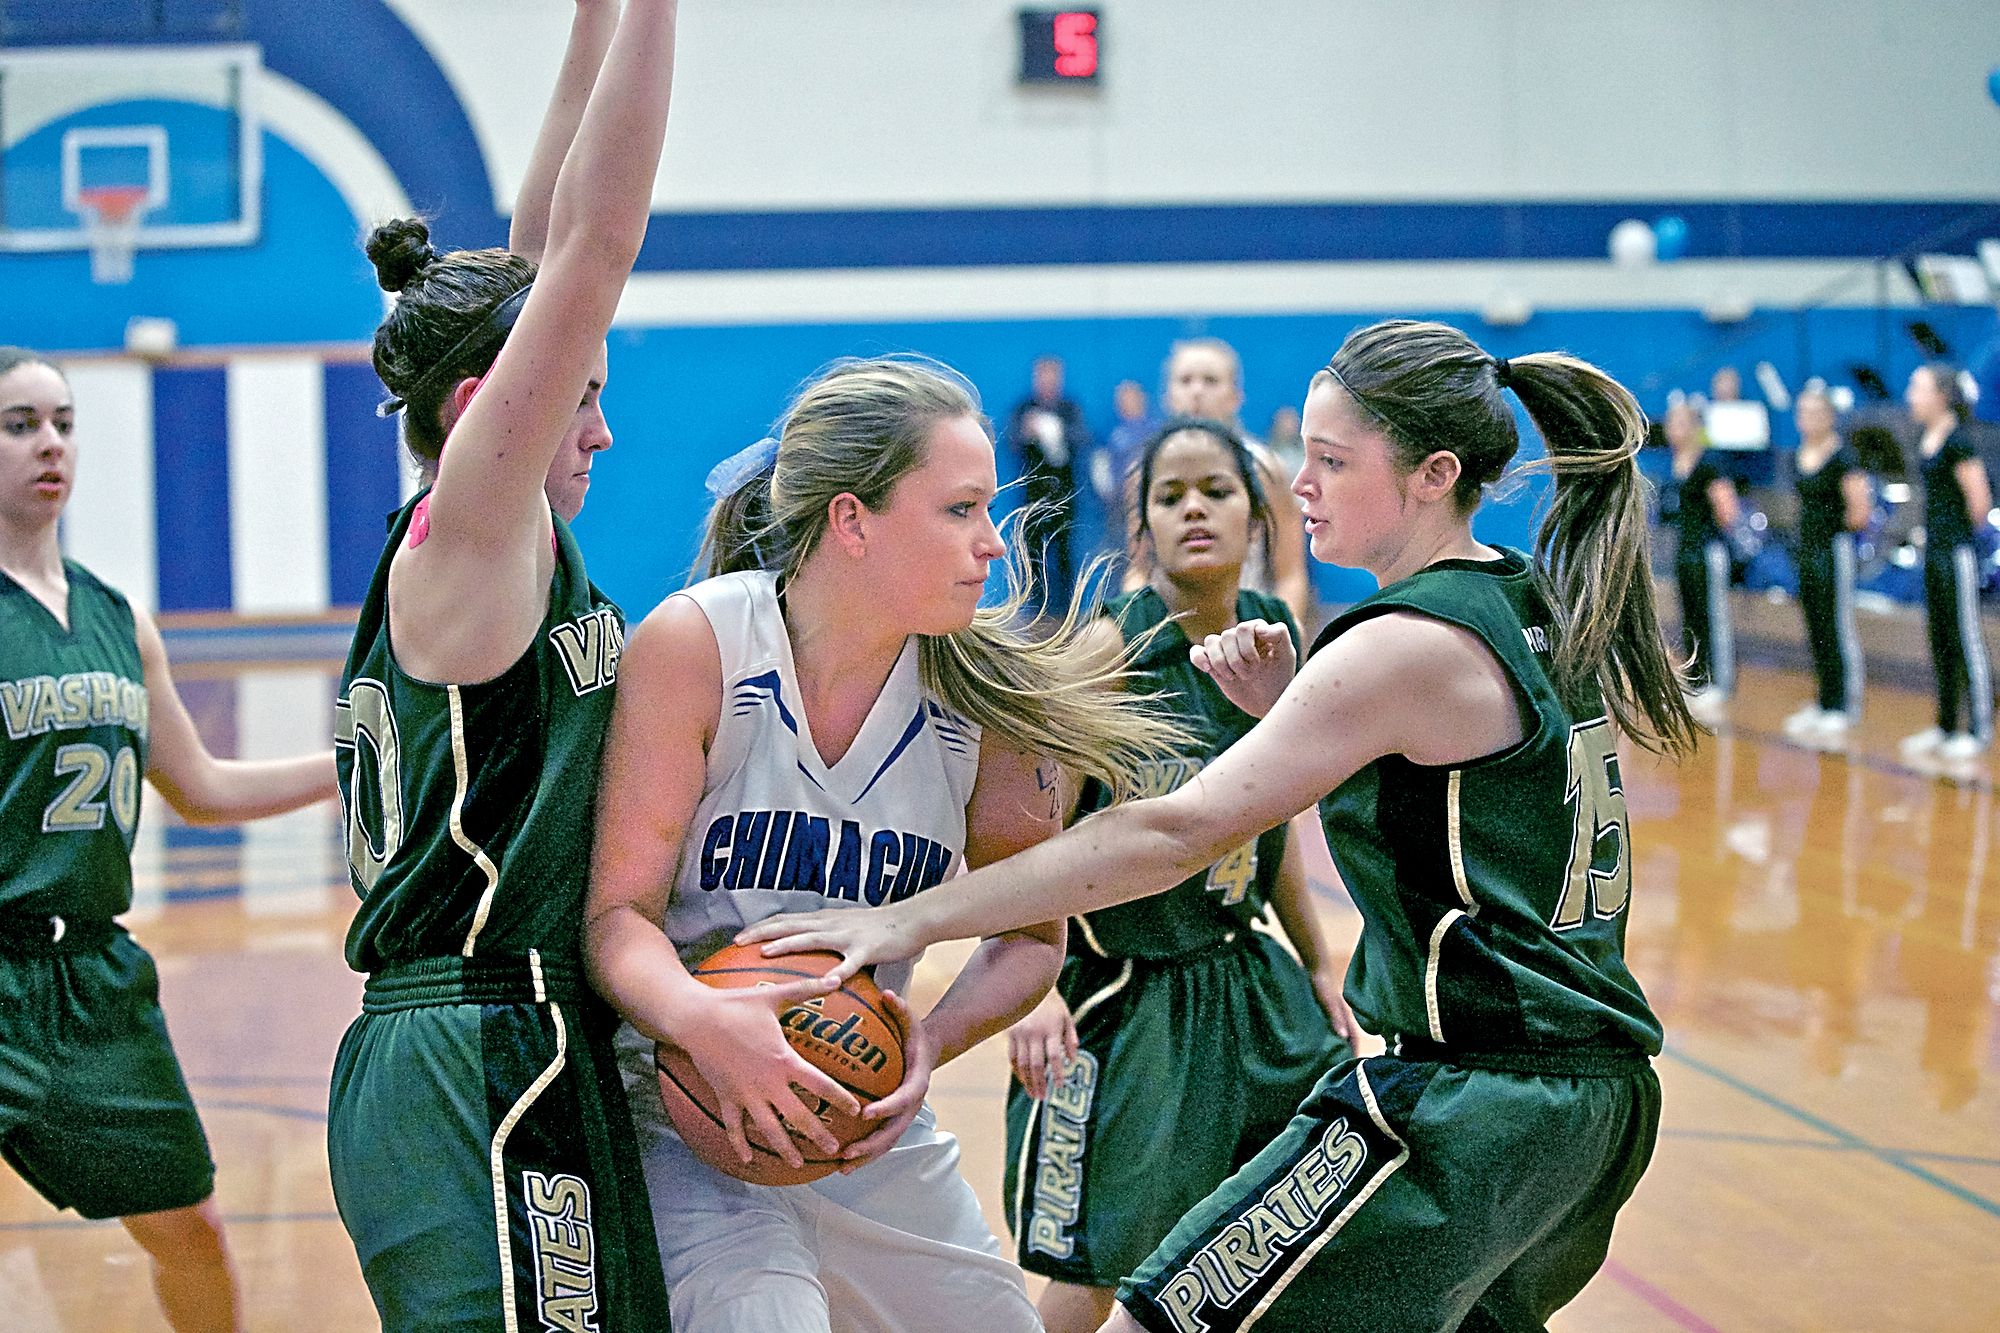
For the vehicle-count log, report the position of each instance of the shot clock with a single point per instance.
(1059, 47)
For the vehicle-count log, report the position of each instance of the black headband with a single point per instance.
(499, 322)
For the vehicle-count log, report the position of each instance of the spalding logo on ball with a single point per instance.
(851, 1036)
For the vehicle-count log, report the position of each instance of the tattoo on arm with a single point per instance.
(1048, 778)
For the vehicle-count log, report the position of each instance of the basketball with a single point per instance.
(851, 1035)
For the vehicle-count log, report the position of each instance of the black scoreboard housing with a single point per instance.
(1061, 47)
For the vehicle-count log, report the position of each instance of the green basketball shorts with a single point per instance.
(483, 1157)
(1412, 1197)
(94, 1112)
(1185, 1069)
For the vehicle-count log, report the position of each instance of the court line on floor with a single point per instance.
(1888, 1156)
(205, 893)
(1821, 1145)
(1656, 1298)
(1968, 779)
(267, 1108)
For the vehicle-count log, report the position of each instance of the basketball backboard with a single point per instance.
(117, 148)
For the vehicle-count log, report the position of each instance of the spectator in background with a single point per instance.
(1205, 379)
(1048, 434)
(1111, 466)
(1834, 504)
(1958, 496)
(1701, 507)
(1740, 426)
(1284, 441)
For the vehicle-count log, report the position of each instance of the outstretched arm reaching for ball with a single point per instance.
(1017, 801)
(655, 757)
(1401, 683)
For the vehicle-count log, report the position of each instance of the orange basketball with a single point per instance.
(851, 1035)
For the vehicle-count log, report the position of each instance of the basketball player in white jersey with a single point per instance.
(830, 720)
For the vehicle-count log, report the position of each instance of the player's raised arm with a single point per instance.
(597, 221)
(467, 594)
(589, 37)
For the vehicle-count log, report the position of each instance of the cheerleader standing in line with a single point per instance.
(1957, 498)
(1834, 504)
(1706, 509)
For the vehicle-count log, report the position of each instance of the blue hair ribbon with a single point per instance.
(737, 470)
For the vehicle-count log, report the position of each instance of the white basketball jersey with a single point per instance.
(780, 831)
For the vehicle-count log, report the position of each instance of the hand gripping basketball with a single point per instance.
(844, 1046)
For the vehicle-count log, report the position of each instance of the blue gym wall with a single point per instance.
(679, 400)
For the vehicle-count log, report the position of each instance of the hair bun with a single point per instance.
(400, 250)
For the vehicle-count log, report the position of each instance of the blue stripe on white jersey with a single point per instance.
(779, 830)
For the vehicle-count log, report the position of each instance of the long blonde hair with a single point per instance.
(860, 427)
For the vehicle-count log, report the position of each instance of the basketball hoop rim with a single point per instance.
(112, 207)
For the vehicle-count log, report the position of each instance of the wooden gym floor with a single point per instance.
(1817, 928)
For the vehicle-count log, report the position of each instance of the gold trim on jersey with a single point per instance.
(1431, 972)
(461, 772)
(1453, 835)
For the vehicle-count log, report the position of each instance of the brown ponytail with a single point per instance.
(1595, 550)
(1429, 387)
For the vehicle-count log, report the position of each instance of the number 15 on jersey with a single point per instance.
(1599, 882)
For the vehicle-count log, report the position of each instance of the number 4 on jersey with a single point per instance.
(1599, 882)
(1233, 875)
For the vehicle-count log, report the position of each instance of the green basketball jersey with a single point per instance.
(75, 707)
(1493, 893)
(469, 807)
(1202, 910)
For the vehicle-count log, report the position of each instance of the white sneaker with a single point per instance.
(1708, 703)
(1961, 746)
(1828, 731)
(1922, 742)
(1806, 720)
